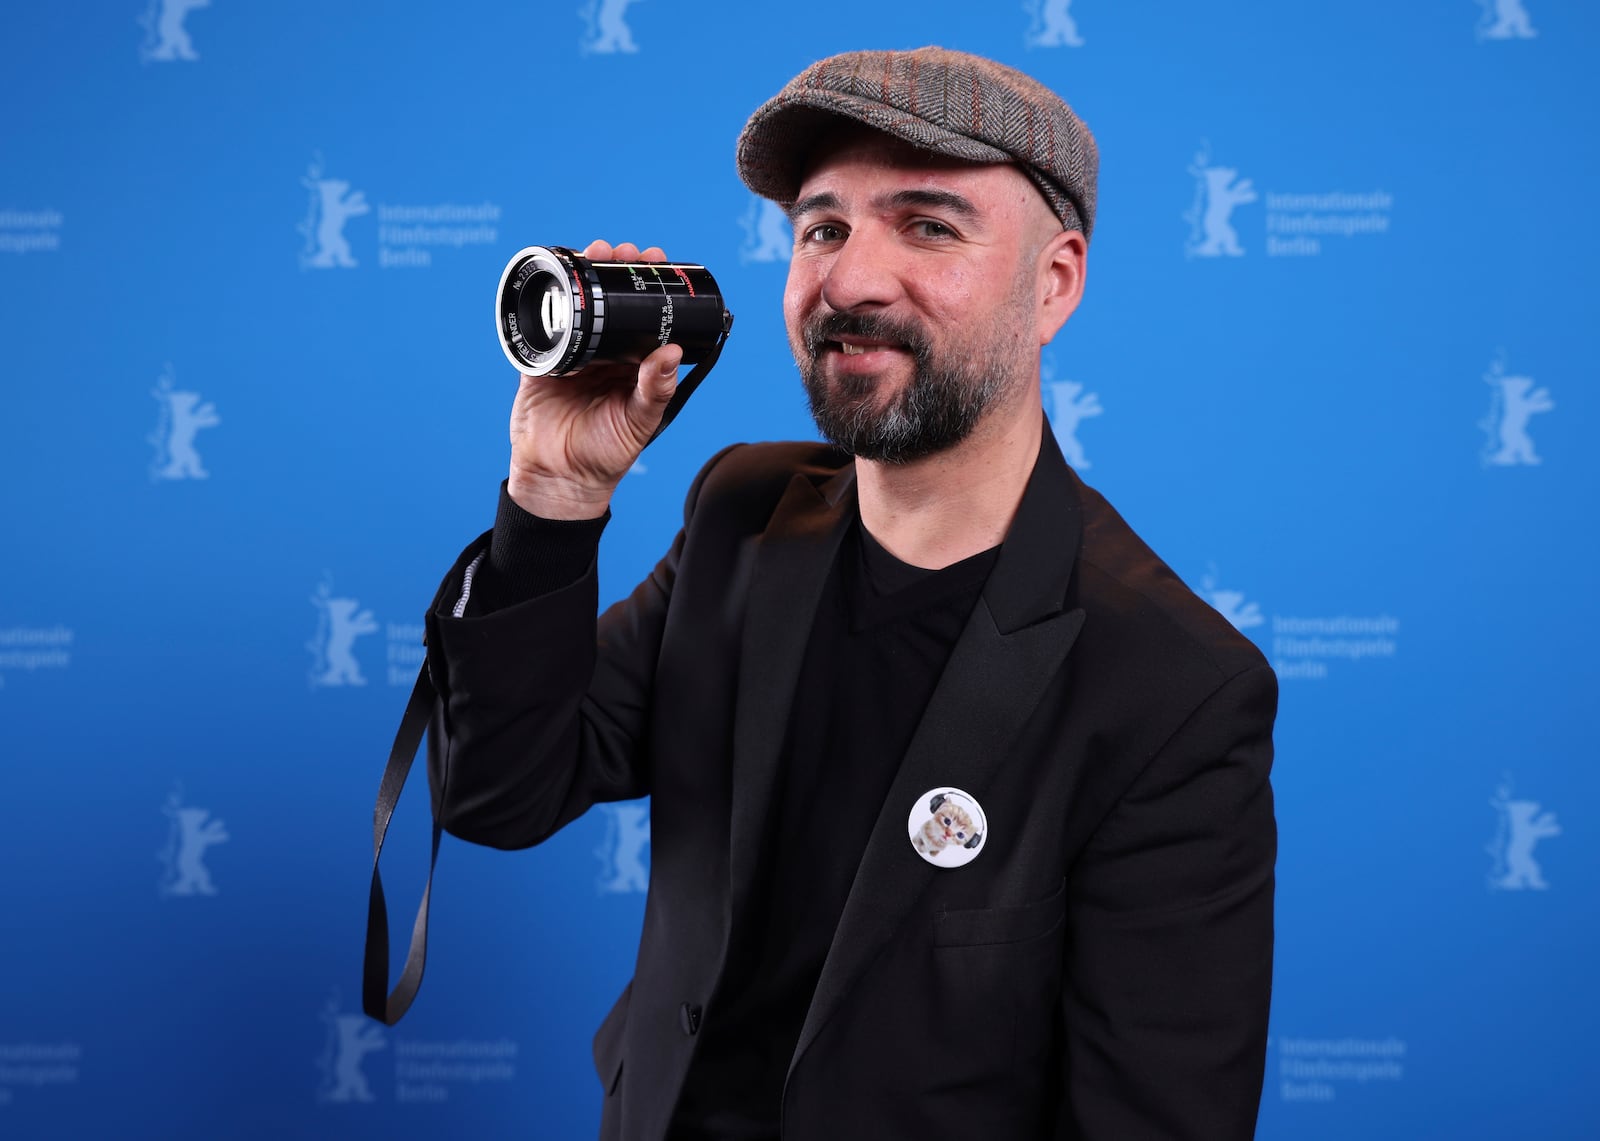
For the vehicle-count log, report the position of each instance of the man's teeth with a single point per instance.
(850, 350)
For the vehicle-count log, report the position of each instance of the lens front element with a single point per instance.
(554, 311)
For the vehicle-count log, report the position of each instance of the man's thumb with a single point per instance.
(661, 381)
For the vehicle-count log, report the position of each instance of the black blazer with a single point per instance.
(1101, 970)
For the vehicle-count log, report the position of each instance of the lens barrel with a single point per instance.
(557, 311)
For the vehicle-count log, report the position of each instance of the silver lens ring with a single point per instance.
(538, 310)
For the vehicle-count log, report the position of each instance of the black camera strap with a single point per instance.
(425, 709)
(376, 998)
(688, 384)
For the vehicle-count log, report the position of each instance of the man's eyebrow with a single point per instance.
(948, 200)
(827, 200)
(936, 199)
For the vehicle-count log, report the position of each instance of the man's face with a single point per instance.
(913, 294)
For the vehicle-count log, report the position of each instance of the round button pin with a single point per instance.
(947, 827)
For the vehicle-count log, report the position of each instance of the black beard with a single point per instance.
(938, 409)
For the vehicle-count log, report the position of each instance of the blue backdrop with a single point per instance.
(1335, 363)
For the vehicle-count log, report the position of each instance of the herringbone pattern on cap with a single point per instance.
(948, 102)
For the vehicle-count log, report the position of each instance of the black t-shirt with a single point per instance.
(882, 635)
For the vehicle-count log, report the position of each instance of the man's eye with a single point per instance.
(824, 232)
(928, 228)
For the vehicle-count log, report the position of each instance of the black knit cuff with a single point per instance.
(530, 556)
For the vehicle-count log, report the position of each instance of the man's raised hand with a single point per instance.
(574, 437)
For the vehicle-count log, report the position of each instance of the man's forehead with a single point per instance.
(837, 168)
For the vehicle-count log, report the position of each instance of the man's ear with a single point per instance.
(1063, 264)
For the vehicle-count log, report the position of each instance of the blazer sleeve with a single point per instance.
(545, 708)
(1169, 965)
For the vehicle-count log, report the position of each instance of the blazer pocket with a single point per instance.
(608, 1042)
(983, 926)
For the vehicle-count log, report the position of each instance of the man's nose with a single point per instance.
(862, 274)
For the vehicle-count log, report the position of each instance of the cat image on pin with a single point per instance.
(949, 824)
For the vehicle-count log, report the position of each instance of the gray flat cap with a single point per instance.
(948, 102)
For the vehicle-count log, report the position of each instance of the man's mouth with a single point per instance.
(856, 347)
(851, 335)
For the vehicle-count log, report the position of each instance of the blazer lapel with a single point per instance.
(1012, 646)
(797, 551)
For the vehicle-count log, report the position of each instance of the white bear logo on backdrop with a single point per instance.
(332, 203)
(1513, 401)
(179, 420)
(1521, 826)
(191, 832)
(622, 851)
(767, 236)
(165, 38)
(606, 30)
(1231, 604)
(1069, 406)
(350, 1038)
(1218, 190)
(1505, 20)
(1051, 25)
(340, 621)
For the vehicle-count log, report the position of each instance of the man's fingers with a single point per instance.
(601, 250)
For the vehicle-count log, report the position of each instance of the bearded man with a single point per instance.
(960, 815)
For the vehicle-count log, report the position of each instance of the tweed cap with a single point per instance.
(948, 102)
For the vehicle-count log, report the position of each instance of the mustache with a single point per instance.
(825, 327)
